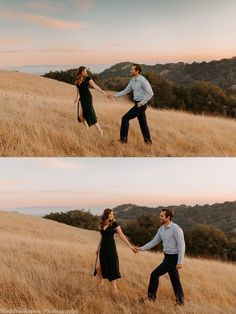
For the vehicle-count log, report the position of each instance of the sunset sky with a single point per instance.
(99, 33)
(39, 185)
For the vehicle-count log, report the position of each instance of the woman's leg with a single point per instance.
(100, 130)
(82, 119)
(114, 286)
(99, 270)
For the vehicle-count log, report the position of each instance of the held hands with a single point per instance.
(108, 95)
(179, 266)
(135, 249)
(139, 104)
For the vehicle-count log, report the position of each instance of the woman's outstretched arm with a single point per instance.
(95, 86)
(123, 237)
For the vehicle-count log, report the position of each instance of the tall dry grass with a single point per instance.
(47, 266)
(38, 118)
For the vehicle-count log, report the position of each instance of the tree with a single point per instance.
(206, 240)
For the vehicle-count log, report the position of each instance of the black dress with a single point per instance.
(86, 102)
(108, 254)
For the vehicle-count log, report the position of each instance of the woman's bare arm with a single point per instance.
(95, 86)
(123, 237)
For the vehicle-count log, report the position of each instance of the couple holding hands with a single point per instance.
(172, 237)
(142, 93)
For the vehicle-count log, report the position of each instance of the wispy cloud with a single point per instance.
(11, 192)
(67, 50)
(58, 192)
(10, 182)
(11, 41)
(84, 5)
(151, 31)
(43, 5)
(41, 20)
(9, 51)
(62, 164)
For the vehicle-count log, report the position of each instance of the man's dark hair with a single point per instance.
(168, 213)
(137, 67)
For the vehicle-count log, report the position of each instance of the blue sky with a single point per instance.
(39, 185)
(101, 32)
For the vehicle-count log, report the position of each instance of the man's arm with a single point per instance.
(179, 236)
(156, 240)
(148, 91)
(125, 91)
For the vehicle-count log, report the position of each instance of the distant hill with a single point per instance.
(200, 88)
(221, 73)
(221, 216)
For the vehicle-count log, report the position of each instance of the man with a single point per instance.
(172, 238)
(143, 92)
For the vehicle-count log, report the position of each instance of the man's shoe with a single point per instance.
(123, 141)
(146, 299)
(179, 303)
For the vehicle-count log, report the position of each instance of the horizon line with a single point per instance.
(103, 64)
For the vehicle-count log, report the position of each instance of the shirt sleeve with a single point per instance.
(156, 240)
(125, 91)
(179, 236)
(148, 91)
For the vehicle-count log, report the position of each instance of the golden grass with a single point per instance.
(47, 266)
(39, 118)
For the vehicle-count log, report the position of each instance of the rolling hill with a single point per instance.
(47, 266)
(38, 118)
(187, 216)
(221, 73)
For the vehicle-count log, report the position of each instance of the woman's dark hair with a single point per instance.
(137, 67)
(168, 213)
(105, 216)
(79, 74)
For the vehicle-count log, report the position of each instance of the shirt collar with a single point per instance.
(168, 226)
(137, 77)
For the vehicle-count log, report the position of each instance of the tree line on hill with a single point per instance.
(201, 97)
(202, 240)
(219, 215)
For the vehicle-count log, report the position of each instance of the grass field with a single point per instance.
(47, 266)
(39, 118)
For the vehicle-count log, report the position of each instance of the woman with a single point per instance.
(107, 263)
(86, 112)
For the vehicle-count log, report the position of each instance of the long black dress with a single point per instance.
(86, 102)
(108, 254)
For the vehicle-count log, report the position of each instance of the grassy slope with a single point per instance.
(38, 118)
(46, 265)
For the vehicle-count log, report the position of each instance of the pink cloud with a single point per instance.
(63, 164)
(41, 20)
(10, 182)
(11, 41)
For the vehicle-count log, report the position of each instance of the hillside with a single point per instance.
(39, 118)
(47, 266)
(187, 216)
(221, 73)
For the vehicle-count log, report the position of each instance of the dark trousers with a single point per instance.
(139, 113)
(167, 266)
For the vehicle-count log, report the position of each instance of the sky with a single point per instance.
(100, 33)
(38, 186)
